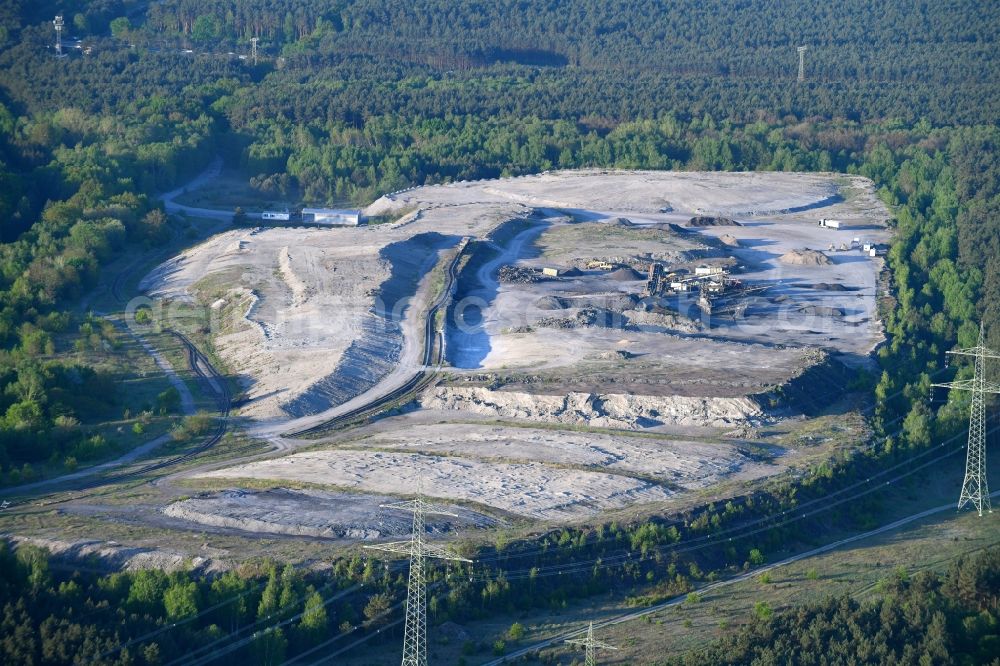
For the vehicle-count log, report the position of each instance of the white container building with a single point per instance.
(332, 217)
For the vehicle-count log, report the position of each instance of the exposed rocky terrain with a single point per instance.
(524, 489)
(570, 388)
(311, 513)
(805, 258)
(117, 556)
(628, 412)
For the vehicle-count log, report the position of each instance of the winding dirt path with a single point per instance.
(199, 181)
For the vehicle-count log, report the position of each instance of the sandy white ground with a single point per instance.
(535, 473)
(301, 312)
(688, 463)
(313, 513)
(527, 489)
(292, 307)
(634, 192)
(311, 319)
(272, 295)
(787, 314)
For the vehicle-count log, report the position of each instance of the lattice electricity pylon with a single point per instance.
(58, 23)
(415, 632)
(802, 62)
(592, 645)
(975, 488)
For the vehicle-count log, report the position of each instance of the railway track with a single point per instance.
(215, 383)
(198, 363)
(433, 357)
(206, 372)
(431, 333)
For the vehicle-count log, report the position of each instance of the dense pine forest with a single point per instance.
(354, 98)
(267, 613)
(926, 619)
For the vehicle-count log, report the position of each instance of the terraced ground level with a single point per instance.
(564, 396)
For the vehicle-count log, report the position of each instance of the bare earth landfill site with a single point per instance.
(530, 351)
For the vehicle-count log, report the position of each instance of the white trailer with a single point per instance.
(332, 216)
(830, 224)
